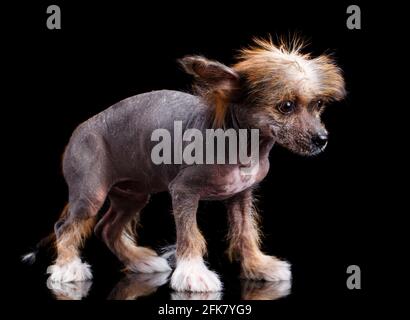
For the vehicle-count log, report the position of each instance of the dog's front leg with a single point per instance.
(244, 242)
(191, 273)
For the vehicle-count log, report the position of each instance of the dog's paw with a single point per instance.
(69, 272)
(267, 268)
(278, 270)
(193, 275)
(149, 264)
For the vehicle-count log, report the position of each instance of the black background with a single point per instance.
(319, 213)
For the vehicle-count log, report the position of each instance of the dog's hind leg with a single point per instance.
(244, 242)
(117, 229)
(86, 168)
(71, 231)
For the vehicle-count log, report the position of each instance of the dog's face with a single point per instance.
(287, 93)
(296, 125)
(278, 90)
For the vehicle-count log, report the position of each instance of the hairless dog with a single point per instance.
(273, 88)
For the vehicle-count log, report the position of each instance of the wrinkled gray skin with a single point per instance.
(115, 146)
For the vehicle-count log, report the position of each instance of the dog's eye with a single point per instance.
(319, 105)
(286, 107)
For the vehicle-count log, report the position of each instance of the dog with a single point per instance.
(273, 87)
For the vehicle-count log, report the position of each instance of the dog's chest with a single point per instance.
(235, 180)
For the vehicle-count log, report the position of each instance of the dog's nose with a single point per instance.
(320, 140)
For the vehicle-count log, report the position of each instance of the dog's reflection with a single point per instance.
(264, 290)
(250, 290)
(135, 285)
(69, 290)
(186, 295)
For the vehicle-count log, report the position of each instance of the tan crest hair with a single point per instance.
(278, 66)
(283, 64)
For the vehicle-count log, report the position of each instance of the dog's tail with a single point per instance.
(31, 256)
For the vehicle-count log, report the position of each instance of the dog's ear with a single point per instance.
(214, 81)
(208, 70)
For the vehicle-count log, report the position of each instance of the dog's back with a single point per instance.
(116, 143)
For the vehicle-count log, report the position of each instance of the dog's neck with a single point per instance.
(235, 119)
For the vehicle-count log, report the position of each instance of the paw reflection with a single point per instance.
(265, 290)
(186, 295)
(69, 290)
(135, 285)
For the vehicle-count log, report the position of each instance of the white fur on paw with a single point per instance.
(273, 269)
(74, 270)
(150, 264)
(193, 275)
(280, 271)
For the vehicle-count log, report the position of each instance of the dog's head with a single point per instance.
(276, 89)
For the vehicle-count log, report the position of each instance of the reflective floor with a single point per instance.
(135, 286)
